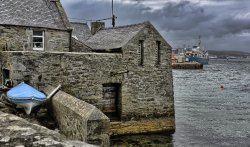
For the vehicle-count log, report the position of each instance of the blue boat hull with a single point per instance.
(26, 96)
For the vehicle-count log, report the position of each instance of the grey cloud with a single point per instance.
(180, 16)
(179, 23)
(229, 26)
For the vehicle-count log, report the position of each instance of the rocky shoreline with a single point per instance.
(40, 115)
(16, 131)
(19, 129)
(147, 140)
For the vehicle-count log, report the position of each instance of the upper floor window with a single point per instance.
(141, 52)
(38, 40)
(158, 54)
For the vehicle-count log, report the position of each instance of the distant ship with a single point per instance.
(213, 57)
(197, 54)
(231, 57)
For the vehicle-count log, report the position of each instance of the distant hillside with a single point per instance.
(228, 53)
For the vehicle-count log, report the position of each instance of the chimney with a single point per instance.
(96, 26)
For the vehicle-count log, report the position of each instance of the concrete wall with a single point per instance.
(79, 120)
(14, 38)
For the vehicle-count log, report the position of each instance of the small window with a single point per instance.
(158, 58)
(141, 52)
(38, 40)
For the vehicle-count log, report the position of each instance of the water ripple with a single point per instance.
(208, 115)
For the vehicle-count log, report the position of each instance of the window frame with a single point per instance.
(37, 36)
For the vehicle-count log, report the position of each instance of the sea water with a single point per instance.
(212, 108)
(213, 105)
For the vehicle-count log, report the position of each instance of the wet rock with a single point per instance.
(40, 115)
(16, 131)
(2, 105)
(146, 140)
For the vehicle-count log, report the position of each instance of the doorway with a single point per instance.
(6, 75)
(111, 100)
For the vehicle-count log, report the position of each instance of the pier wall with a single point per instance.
(187, 65)
(79, 120)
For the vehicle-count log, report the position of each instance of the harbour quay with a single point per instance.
(187, 65)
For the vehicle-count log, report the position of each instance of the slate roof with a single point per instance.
(114, 38)
(81, 31)
(34, 13)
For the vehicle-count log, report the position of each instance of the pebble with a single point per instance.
(5, 139)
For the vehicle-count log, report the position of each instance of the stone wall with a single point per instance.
(79, 120)
(81, 74)
(147, 90)
(16, 38)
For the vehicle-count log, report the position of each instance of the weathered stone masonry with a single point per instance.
(18, 38)
(79, 120)
(124, 71)
(83, 75)
(80, 74)
(147, 89)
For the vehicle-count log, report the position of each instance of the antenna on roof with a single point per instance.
(113, 16)
(199, 40)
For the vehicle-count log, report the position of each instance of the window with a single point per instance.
(141, 52)
(38, 40)
(158, 58)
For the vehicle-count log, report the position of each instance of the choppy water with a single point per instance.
(206, 115)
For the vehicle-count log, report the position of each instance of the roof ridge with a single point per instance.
(62, 14)
(78, 22)
(130, 25)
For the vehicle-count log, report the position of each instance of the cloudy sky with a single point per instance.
(222, 24)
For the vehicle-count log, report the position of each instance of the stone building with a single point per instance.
(34, 25)
(142, 81)
(124, 71)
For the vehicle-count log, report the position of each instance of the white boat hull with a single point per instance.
(28, 106)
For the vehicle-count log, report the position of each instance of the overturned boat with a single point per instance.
(25, 96)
